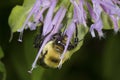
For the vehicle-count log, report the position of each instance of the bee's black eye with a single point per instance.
(58, 42)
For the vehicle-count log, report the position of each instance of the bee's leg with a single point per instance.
(40, 38)
(49, 32)
(76, 39)
(38, 41)
(55, 36)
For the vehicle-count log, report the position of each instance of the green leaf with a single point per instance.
(2, 67)
(19, 14)
(28, 3)
(17, 18)
(1, 53)
(2, 71)
(107, 23)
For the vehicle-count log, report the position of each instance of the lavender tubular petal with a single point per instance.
(39, 52)
(58, 19)
(110, 8)
(37, 19)
(81, 15)
(36, 6)
(48, 18)
(69, 32)
(27, 19)
(97, 19)
(115, 23)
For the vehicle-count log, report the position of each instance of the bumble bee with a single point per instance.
(50, 56)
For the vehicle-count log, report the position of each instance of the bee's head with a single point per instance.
(50, 56)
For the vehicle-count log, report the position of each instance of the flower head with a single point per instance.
(72, 13)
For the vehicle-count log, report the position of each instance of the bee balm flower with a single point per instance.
(71, 14)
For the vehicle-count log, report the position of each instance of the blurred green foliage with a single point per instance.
(96, 60)
(18, 15)
(2, 67)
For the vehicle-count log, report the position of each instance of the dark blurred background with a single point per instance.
(98, 59)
